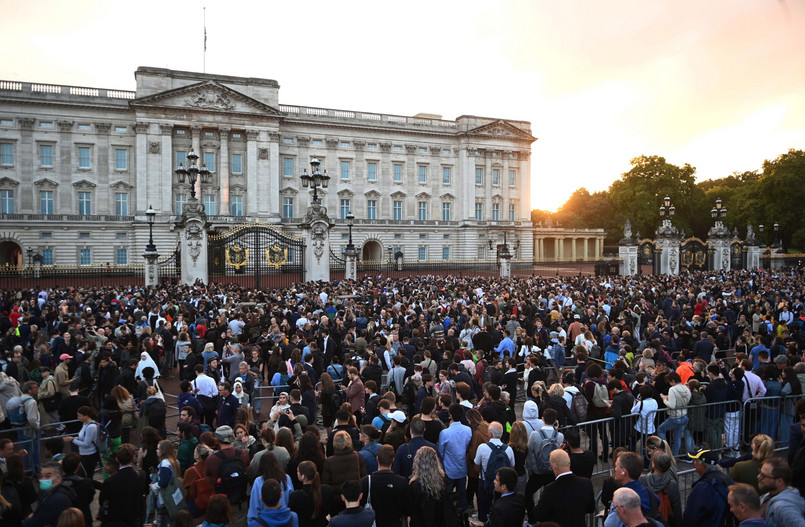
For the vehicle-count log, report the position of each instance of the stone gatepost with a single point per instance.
(151, 268)
(351, 259)
(718, 241)
(193, 239)
(317, 227)
(668, 240)
(505, 258)
(627, 251)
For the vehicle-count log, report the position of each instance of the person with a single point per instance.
(187, 447)
(206, 390)
(486, 459)
(311, 502)
(707, 500)
(269, 469)
(539, 444)
(153, 408)
(744, 504)
(275, 514)
(386, 490)
(128, 410)
(453, 444)
(782, 503)
(30, 434)
(87, 441)
(626, 504)
(509, 509)
(83, 486)
(218, 512)
(355, 393)
(677, 400)
(660, 482)
(568, 498)
(404, 457)
(237, 496)
(72, 517)
(518, 441)
(267, 438)
(18, 487)
(344, 465)
(627, 471)
(582, 462)
(55, 497)
(353, 515)
(426, 490)
(369, 437)
(167, 472)
(747, 471)
(227, 405)
(123, 506)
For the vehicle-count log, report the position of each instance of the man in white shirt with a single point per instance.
(753, 385)
(206, 389)
(482, 457)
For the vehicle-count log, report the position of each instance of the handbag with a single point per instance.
(160, 395)
(368, 505)
(172, 497)
(142, 422)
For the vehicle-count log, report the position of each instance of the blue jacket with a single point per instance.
(404, 459)
(354, 517)
(276, 518)
(707, 500)
(369, 453)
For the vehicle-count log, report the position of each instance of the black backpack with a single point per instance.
(156, 413)
(409, 393)
(498, 458)
(231, 477)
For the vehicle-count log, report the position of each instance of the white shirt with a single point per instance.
(483, 453)
(206, 385)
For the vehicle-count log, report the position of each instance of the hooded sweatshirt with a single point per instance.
(787, 508)
(276, 518)
(531, 417)
(657, 482)
(678, 399)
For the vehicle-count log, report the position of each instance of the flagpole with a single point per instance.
(204, 63)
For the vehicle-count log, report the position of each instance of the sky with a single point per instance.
(716, 83)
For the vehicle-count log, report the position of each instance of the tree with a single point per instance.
(781, 191)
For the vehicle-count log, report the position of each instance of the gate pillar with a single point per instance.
(317, 239)
(151, 268)
(627, 251)
(193, 239)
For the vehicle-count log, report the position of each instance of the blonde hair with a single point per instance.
(428, 471)
(150, 391)
(762, 447)
(556, 390)
(341, 440)
(518, 439)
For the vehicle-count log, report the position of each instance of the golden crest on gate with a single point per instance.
(277, 256)
(237, 256)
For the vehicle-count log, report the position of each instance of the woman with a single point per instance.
(518, 441)
(480, 435)
(181, 351)
(660, 481)
(427, 489)
(280, 379)
(146, 362)
(747, 471)
(147, 457)
(646, 406)
(112, 417)
(770, 416)
(243, 439)
(655, 444)
(198, 488)
(433, 426)
(395, 434)
(344, 465)
(791, 389)
(218, 512)
(310, 449)
(556, 400)
(18, 489)
(308, 396)
(128, 411)
(311, 502)
(269, 469)
(71, 517)
(87, 440)
(286, 440)
(328, 400)
(240, 395)
(167, 471)
(154, 409)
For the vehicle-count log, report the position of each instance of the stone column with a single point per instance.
(151, 268)
(505, 259)
(223, 166)
(351, 257)
(252, 191)
(317, 227)
(274, 205)
(573, 242)
(752, 257)
(627, 250)
(193, 239)
(166, 181)
(142, 179)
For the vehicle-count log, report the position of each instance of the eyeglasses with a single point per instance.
(761, 475)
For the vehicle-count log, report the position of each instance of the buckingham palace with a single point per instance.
(80, 166)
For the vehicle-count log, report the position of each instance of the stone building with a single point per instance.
(79, 166)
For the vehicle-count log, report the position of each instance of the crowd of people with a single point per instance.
(394, 402)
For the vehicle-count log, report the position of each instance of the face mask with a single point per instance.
(45, 484)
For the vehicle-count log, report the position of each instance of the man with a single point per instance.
(541, 442)
(386, 490)
(568, 498)
(626, 504)
(782, 503)
(212, 471)
(228, 405)
(707, 501)
(355, 393)
(627, 472)
(342, 423)
(30, 434)
(62, 375)
(744, 503)
(353, 515)
(404, 459)
(299, 413)
(55, 497)
(426, 390)
(506, 348)
(453, 444)
(127, 379)
(488, 458)
(6, 450)
(49, 397)
(122, 505)
(275, 513)
(509, 509)
(372, 400)
(753, 385)
(83, 486)
(186, 450)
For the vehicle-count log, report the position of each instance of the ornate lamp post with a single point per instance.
(718, 239)
(350, 253)
(315, 179)
(668, 238)
(151, 215)
(192, 172)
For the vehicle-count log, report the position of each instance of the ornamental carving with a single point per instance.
(153, 147)
(65, 126)
(103, 128)
(193, 232)
(359, 144)
(332, 143)
(274, 137)
(26, 123)
(319, 236)
(252, 135)
(263, 153)
(195, 131)
(385, 147)
(141, 128)
(436, 150)
(208, 98)
(303, 141)
(194, 248)
(166, 129)
(410, 149)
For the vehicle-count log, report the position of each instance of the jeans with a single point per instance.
(679, 426)
(732, 425)
(460, 486)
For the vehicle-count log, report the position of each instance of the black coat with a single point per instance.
(566, 501)
(124, 506)
(389, 492)
(507, 511)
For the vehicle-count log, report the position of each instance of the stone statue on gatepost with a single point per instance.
(627, 250)
(151, 267)
(193, 242)
(505, 258)
(317, 227)
(752, 249)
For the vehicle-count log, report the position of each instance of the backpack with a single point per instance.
(600, 395)
(336, 373)
(409, 393)
(579, 404)
(231, 477)
(102, 444)
(549, 444)
(498, 458)
(51, 404)
(595, 351)
(665, 508)
(486, 376)
(15, 410)
(156, 413)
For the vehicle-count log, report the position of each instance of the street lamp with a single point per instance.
(776, 227)
(350, 221)
(193, 172)
(666, 209)
(150, 214)
(718, 212)
(30, 252)
(315, 179)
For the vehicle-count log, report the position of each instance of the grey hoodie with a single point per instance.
(531, 417)
(656, 482)
(786, 508)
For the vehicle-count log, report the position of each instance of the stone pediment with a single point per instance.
(289, 190)
(447, 196)
(84, 184)
(372, 194)
(209, 96)
(45, 182)
(502, 129)
(8, 182)
(398, 195)
(121, 185)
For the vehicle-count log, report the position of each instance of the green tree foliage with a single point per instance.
(781, 193)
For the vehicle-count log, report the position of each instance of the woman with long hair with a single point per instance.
(167, 472)
(147, 457)
(344, 465)
(791, 389)
(269, 469)
(310, 449)
(311, 502)
(518, 441)
(655, 444)
(329, 404)
(308, 396)
(285, 439)
(128, 411)
(747, 471)
(199, 490)
(71, 517)
(17, 487)
(87, 440)
(427, 489)
(480, 435)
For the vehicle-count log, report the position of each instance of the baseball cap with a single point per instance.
(65, 356)
(703, 455)
(398, 416)
(224, 434)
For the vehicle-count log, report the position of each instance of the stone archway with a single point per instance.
(10, 255)
(372, 251)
